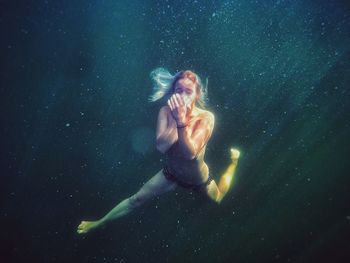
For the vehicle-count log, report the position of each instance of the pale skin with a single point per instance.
(183, 131)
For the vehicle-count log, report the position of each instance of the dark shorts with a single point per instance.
(196, 187)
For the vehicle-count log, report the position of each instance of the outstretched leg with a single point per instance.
(156, 186)
(217, 192)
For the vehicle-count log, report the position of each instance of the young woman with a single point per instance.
(183, 131)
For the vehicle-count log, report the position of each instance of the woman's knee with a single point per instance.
(214, 193)
(138, 199)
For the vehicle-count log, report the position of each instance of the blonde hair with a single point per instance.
(163, 84)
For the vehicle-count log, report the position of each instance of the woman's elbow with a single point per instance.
(190, 156)
(191, 153)
(161, 146)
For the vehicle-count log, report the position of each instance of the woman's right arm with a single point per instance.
(166, 130)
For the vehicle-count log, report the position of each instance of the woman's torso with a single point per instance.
(193, 171)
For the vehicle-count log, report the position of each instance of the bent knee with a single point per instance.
(137, 200)
(216, 197)
(219, 198)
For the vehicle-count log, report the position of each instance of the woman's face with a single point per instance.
(186, 87)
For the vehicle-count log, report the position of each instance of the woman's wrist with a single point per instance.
(181, 124)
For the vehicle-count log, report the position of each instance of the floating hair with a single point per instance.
(163, 83)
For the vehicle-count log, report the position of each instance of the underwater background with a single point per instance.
(78, 132)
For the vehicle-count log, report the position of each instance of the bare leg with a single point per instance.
(156, 186)
(217, 192)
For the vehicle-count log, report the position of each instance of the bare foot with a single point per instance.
(87, 226)
(234, 154)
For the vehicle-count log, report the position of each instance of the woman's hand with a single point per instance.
(178, 108)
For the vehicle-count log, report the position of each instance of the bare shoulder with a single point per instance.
(165, 110)
(208, 116)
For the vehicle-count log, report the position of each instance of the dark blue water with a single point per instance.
(77, 133)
